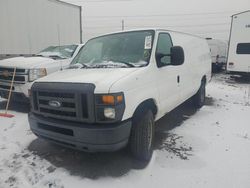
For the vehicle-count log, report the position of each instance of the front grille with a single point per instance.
(56, 94)
(74, 102)
(84, 102)
(16, 79)
(20, 77)
(2, 69)
(58, 112)
(67, 101)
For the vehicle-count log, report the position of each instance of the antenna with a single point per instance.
(29, 42)
(59, 42)
(58, 34)
(122, 25)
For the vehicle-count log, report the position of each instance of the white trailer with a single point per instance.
(28, 26)
(218, 49)
(239, 44)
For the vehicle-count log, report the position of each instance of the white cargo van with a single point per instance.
(218, 50)
(117, 87)
(28, 69)
(239, 45)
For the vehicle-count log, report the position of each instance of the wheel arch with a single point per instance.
(146, 104)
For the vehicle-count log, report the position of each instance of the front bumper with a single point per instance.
(15, 96)
(80, 136)
(21, 91)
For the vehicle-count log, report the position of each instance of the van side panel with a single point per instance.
(197, 63)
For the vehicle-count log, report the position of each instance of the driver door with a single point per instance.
(168, 75)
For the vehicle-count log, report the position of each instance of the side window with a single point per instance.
(243, 48)
(163, 47)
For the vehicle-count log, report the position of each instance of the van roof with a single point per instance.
(154, 29)
(241, 12)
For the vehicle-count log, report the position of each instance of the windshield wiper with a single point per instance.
(123, 62)
(56, 56)
(38, 55)
(78, 66)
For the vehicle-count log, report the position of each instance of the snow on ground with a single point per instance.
(205, 148)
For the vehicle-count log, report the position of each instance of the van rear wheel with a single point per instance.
(142, 135)
(199, 97)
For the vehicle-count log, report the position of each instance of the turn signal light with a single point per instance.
(112, 99)
(119, 98)
(108, 99)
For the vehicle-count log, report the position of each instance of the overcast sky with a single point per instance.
(210, 18)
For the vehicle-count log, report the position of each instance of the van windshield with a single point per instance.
(121, 50)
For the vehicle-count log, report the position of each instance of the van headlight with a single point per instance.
(34, 74)
(109, 113)
(109, 107)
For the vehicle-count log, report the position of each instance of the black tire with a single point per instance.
(199, 97)
(142, 135)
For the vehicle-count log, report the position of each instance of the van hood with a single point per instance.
(29, 62)
(101, 77)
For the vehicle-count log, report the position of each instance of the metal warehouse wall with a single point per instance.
(28, 26)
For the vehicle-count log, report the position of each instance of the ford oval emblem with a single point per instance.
(55, 104)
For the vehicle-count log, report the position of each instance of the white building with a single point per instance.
(28, 26)
(239, 44)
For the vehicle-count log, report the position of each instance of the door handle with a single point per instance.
(178, 79)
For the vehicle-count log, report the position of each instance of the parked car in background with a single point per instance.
(218, 50)
(117, 87)
(239, 45)
(28, 69)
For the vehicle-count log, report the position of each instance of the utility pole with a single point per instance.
(58, 35)
(122, 25)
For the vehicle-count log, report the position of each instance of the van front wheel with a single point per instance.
(199, 97)
(142, 135)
